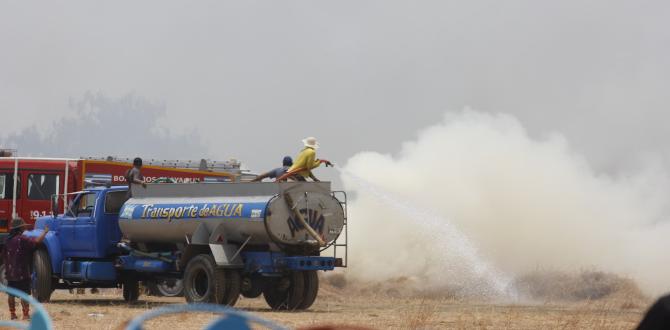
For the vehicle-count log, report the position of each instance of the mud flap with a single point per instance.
(224, 253)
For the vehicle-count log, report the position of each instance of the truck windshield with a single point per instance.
(42, 186)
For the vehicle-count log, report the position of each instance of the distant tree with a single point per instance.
(126, 126)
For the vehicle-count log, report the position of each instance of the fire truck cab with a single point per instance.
(26, 190)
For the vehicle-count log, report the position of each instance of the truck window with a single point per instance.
(114, 200)
(42, 186)
(7, 186)
(84, 205)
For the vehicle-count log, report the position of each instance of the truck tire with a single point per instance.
(251, 288)
(311, 289)
(286, 293)
(42, 274)
(151, 289)
(233, 287)
(203, 281)
(131, 290)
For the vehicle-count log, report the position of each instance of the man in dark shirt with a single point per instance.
(17, 258)
(134, 175)
(277, 172)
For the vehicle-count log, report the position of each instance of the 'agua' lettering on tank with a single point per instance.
(313, 218)
(221, 210)
(193, 211)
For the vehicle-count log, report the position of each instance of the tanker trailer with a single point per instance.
(220, 239)
(232, 238)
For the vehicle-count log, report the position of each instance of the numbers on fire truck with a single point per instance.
(34, 214)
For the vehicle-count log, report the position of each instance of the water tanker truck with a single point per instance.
(220, 239)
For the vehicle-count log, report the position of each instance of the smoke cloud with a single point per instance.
(125, 126)
(523, 203)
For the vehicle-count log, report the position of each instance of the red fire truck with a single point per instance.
(28, 184)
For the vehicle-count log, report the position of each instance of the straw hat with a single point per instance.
(310, 142)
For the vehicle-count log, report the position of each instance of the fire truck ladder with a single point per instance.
(201, 165)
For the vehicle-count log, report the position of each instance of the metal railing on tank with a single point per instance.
(345, 232)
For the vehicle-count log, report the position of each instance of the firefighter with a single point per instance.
(17, 257)
(277, 172)
(306, 162)
(134, 175)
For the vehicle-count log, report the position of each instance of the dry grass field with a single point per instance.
(568, 302)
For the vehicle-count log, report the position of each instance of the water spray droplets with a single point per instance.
(459, 252)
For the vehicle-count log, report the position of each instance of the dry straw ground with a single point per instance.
(553, 301)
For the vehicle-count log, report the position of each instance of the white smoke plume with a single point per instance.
(522, 203)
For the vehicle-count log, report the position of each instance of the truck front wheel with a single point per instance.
(203, 281)
(42, 274)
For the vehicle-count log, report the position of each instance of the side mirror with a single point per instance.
(54, 205)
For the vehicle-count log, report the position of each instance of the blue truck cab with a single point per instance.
(89, 228)
(85, 248)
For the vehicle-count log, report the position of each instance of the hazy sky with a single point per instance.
(252, 78)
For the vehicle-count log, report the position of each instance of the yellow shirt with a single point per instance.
(306, 160)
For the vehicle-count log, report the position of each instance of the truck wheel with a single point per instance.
(150, 288)
(42, 288)
(233, 287)
(311, 289)
(203, 281)
(286, 293)
(166, 288)
(131, 290)
(171, 288)
(251, 288)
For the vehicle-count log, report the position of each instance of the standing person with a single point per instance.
(306, 162)
(134, 175)
(277, 172)
(17, 258)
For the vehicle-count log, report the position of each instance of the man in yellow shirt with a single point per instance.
(305, 162)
